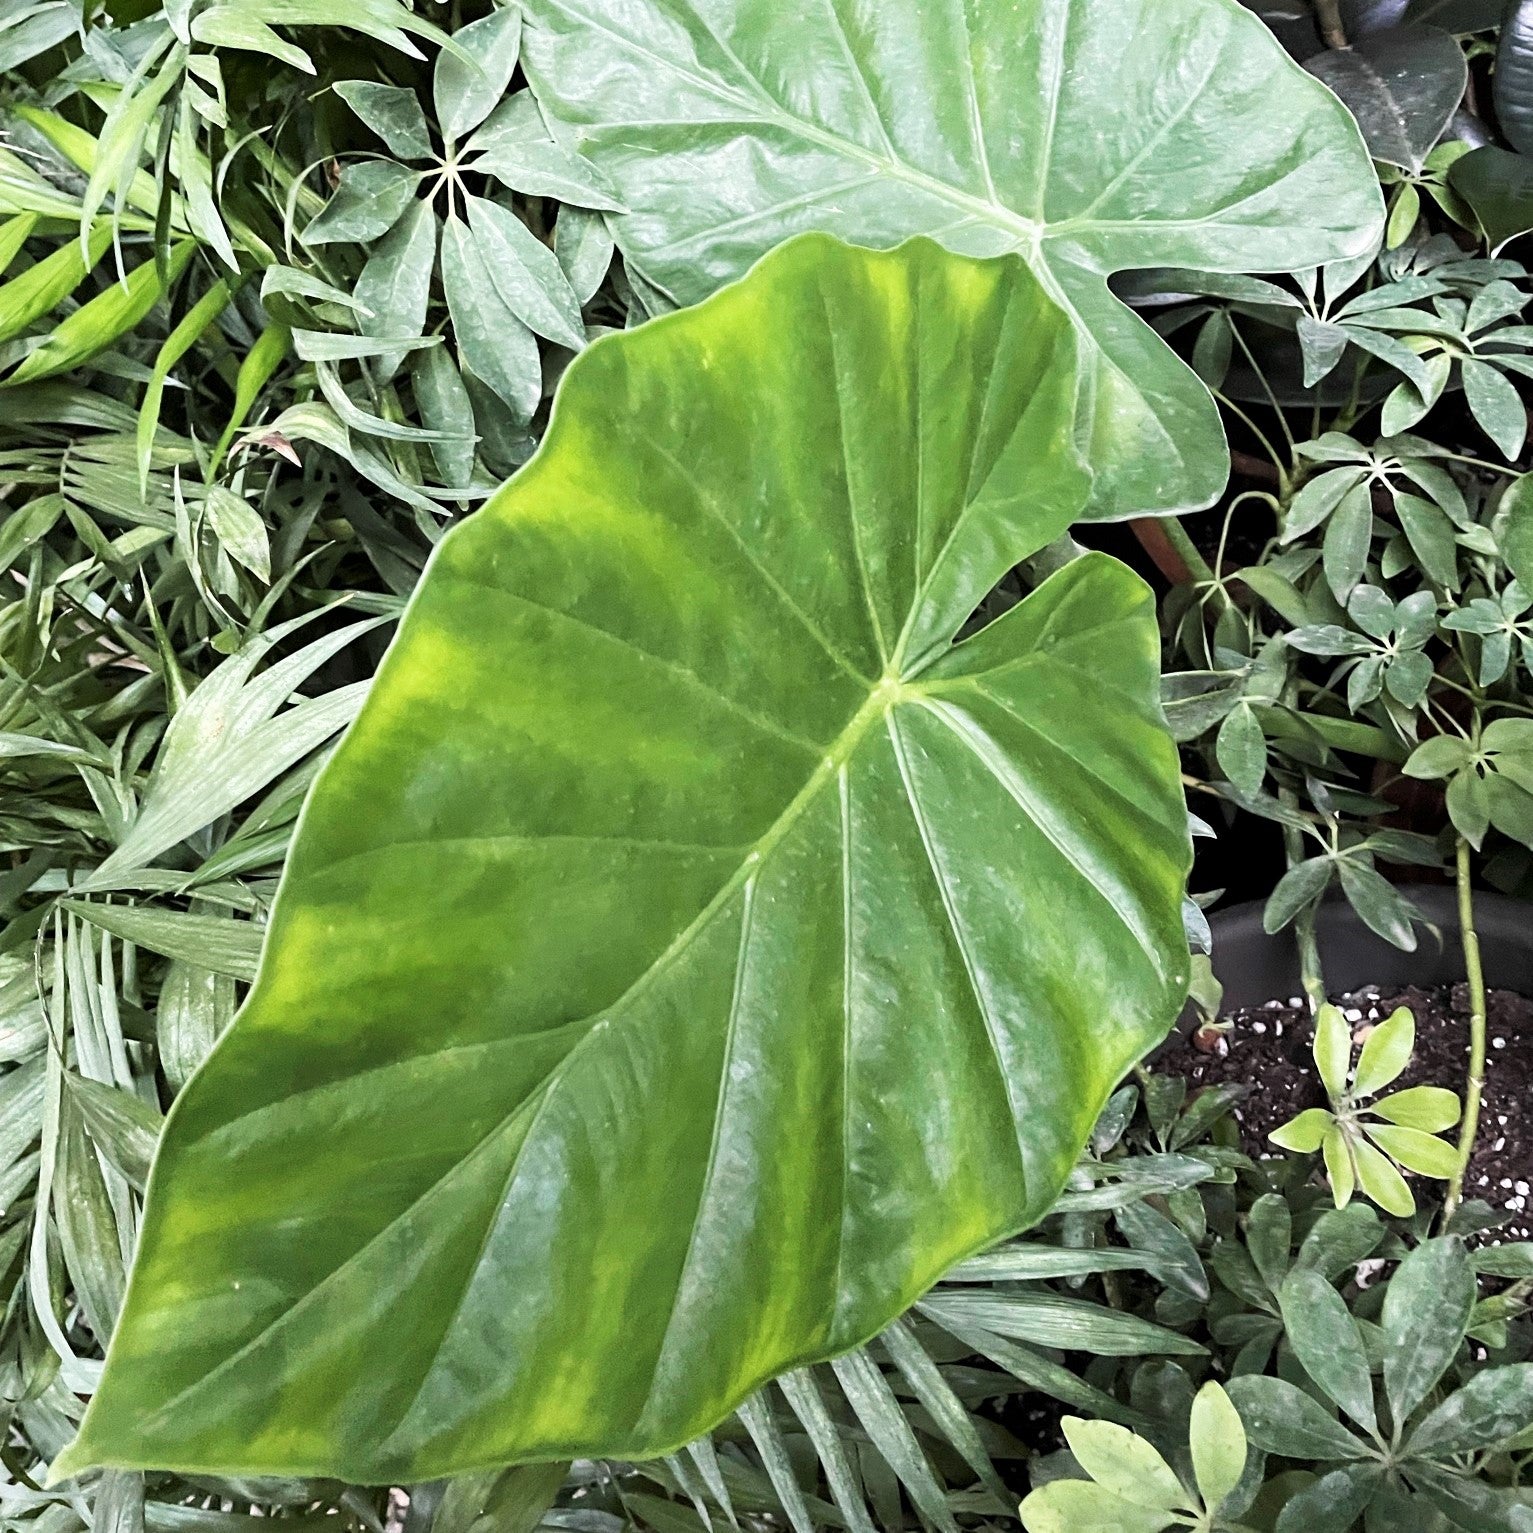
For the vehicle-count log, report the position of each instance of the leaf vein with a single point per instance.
(671, 667)
(990, 757)
(955, 925)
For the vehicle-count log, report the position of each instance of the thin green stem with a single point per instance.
(1347, 417)
(1260, 435)
(1506, 471)
(1203, 577)
(1224, 537)
(1474, 1087)
(1444, 718)
(1309, 952)
(1304, 924)
(1261, 378)
(1176, 535)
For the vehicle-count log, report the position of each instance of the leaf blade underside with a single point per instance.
(1090, 136)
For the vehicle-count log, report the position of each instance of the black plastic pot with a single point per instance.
(1254, 967)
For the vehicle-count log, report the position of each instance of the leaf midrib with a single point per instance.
(1030, 233)
(1027, 231)
(875, 708)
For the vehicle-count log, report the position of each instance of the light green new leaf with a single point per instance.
(1092, 136)
(1333, 1050)
(1386, 1052)
(1425, 1154)
(690, 952)
(1340, 1167)
(1078, 1506)
(1379, 1180)
(1428, 1108)
(1304, 1133)
(1217, 1442)
(1124, 1463)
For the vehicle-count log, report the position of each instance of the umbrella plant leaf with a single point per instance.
(1498, 186)
(691, 951)
(1402, 85)
(1092, 136)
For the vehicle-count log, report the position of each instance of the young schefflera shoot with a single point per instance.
(1133, 1489)
(1489, 777)
(1366, 1142)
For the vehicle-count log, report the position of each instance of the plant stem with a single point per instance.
(1328, 13)
(1309, 958)
(1256, 431)
(1304, 923)
(1176, 536)
(1474, 1087)
(1198, 567)
(1277, 409)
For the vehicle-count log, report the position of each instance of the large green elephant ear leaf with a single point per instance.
(1092, 136)
(690, 951)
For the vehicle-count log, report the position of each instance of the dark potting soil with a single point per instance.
(1268, 1049)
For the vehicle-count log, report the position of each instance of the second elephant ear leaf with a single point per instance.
(691, 950)
(1090, 136)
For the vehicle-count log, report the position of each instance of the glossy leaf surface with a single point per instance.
(1092, 136)
(1513, 81)
(690, 952)
(1498, 186)
(1402, 85)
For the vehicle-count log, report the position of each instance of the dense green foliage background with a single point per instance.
(287, 288)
